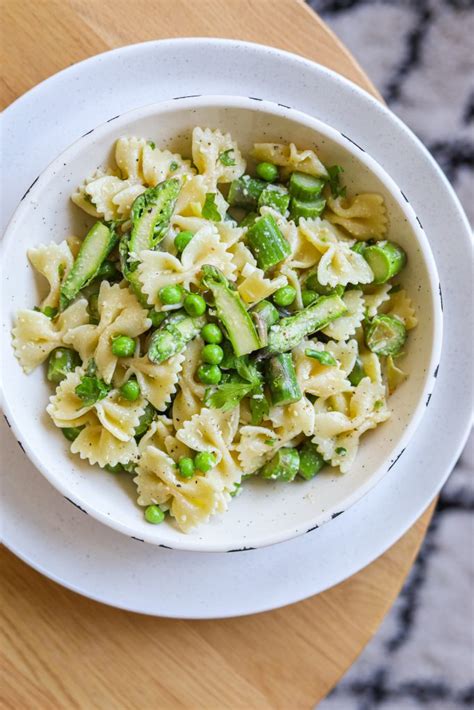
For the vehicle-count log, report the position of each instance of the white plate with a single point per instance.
(63, 543)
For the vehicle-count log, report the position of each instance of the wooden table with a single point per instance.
(64, 651)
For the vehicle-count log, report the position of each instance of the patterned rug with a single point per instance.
(420, 55)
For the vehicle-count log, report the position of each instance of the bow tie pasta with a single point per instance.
(216, 324)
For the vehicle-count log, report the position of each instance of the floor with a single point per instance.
(420, 56)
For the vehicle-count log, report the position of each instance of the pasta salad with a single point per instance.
(218, 321)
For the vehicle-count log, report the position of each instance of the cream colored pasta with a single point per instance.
(216, 155)
(35, 335)
(362, 216)
(120, 314)
(288, 156)
(160, 269)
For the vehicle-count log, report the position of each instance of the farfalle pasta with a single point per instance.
(216, 324)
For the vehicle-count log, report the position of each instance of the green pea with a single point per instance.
(123, 346)
(211, 333)
(194, 305)
(212, 354)
(170, 295)
(209, 374)
(204, 461)
(71, 433)
(284, 296)
(186, 467)
(308, 297)
(130, 390)
(267, 171)
(182, 240)
(156, 318)
(61, 362)
(154, 515)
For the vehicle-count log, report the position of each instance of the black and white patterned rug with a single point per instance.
(420, 55)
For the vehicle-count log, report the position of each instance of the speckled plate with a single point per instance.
(59, 540)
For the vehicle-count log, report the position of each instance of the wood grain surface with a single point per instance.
(60, 650)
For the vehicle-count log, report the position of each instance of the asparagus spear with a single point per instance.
(245, 191)
(173, 336)
(267, 243)
(231, 312)
(311, 461)
(281, 379)
(289, 332)
(151, 213)
(99, 242)
(386, 259)
(385, 335)
(264, 315)
(129, 270)
(283, 466)
(274, 196)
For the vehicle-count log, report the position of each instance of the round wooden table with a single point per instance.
(65, 651)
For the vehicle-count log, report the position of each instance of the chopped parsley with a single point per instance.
(152, 144)
(247, 381)
(228, 395)
(173, 166)
(209, 210)
(92, 389)
(341, 451)
(337, 190)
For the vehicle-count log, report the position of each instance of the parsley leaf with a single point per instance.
(237, 385)
(173, 166)
(248, 370)
(209, 210)
(152, 144)
(321, 356)
(92, 389)
(227, 396)
(337, 189)
(225, 157)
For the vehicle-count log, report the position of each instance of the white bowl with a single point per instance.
(265, 513)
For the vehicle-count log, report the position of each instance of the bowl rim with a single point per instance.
(188, 542)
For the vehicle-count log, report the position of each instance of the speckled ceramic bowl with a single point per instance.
(265, 513)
